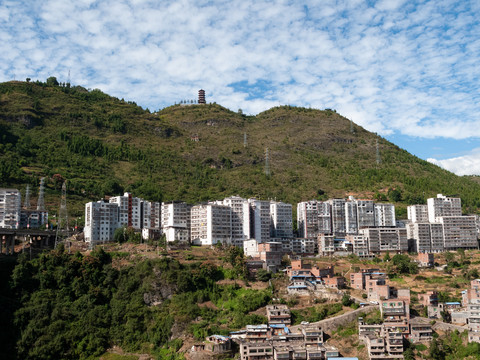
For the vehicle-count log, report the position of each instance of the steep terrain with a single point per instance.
(103, 146)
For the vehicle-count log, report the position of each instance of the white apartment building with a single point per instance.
(385, 239)
(259, 220)
(337, 206)
(130, 210)
(359, 245)
(211, 224)
(176, 221)
(459, 232)
(417, 213)
(152, 218)
(10, 205)
(365, 213)
(101, 221)
(307, 219)
(281, 220)
(385, 215)
(443, 206)
(240, 219)
(351, 219)
(420, 233)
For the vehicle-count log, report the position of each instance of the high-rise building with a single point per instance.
(176, 221)
(385, 215)
(417, 213)
(211, 224)
(240, 219)
(385, 239)
(259, 220)
(339, 226)
(101, 221)
(10, 205)
(281, 220)
(365, 213)
(130, 210)
(307, 219)
(459, 232)
(443, 206)
(351, 219)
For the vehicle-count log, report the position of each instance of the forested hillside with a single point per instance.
(103, 146)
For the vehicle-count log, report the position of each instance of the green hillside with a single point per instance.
(103, 146)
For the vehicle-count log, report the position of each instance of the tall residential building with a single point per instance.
(365, 213)
(420, 232)
(240, 219)
(459, 232)
(351, 219)
(281, 220)
(130, 210)
(385, 239)
(176, 221)
(417, 213)
(443, 206)
(10, 205)
(152, 218)
(101, 221)
(385, 215)
(307, 219)
(339, 227)
(259, 220)
(211, 224)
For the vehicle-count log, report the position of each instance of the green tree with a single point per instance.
(52, 81)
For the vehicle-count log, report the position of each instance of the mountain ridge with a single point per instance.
(103, 145)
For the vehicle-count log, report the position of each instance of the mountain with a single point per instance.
(104, 146)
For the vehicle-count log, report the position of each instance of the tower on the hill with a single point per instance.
(201, 96)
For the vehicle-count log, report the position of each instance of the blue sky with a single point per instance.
(408, 70)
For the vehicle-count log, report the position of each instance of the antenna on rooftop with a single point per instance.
(379, 160)
(267, 165)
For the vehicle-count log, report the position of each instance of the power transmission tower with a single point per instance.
(244, 140)
(26, 204)
(267, 165)
(379, 160)
(352, 129)
(41, 196)
(62, 221)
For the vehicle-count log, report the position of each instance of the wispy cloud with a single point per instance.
(409, 67)
(468, 164)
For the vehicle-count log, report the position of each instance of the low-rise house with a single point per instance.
(278, 314)
(426, 260)
(420, 331)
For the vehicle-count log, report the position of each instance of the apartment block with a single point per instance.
(130, 210)
(101, 221)
(10, 205)
(240, 219)
(365, 213)
(417, 213)
(443, 206)
(281, 220)
(385, 239)
(385, 215)
(278, 314)
(259, 220)
(176, 221)
(339, 225)
(210, 224)
(459, 232)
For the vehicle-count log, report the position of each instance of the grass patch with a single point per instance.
(110, 356)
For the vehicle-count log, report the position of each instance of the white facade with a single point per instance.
(459, 232)
(385, 215)
(417, 213)
(281, 220)
(211, 224)
(250, 248)
(365, 213)
(385, 239)
(10, 205)
(129, 210)
(351, 219)
(176, 221)
(443, 206)
(101, 221)
(339, 226)
(259, 220)
(240, 219)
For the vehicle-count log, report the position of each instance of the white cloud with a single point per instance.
(396, 66)
(468, 164)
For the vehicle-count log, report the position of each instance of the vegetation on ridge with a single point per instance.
(103, 146)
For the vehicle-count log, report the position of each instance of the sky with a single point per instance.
(407, 70)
